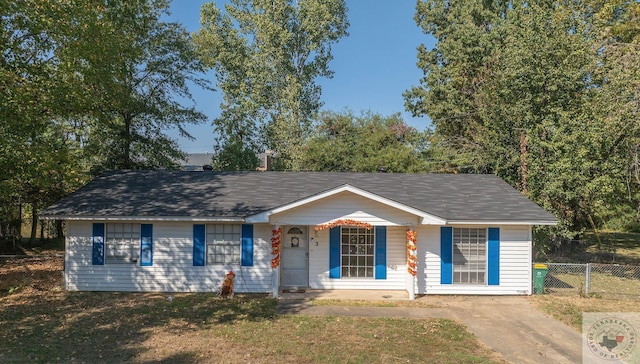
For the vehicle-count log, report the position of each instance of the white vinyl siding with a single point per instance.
(515, 263)
(172, 269)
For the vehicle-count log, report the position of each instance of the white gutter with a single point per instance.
(143, 218)
(254, 219)
(475, 222)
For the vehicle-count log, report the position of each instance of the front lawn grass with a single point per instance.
(134, 327)
(569, 309)
(41, 323)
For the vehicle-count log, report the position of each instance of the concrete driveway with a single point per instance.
(509, 325)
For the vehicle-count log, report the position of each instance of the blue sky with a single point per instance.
(372, 66)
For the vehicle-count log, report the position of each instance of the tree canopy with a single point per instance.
(544, 94)
(267, 56)
(535, 92)
(85, 87)
(344, 142)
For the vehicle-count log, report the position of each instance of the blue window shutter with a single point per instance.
(446, 255)
(97, 257)
(334, 252)
(146, 245)
(198, 244)
(493, 257)
(381, 252)
(247, 245)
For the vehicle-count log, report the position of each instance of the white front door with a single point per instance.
(294, 261)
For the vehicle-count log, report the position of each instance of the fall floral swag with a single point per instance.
(412, 255)
(275, 247)
(343, 222)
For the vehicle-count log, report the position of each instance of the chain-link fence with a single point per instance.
(593, 279)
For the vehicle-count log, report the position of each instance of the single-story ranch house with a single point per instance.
(177, 231)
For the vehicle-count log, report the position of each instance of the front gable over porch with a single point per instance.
(346, 203)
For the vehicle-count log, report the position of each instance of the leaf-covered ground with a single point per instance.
(40, 322)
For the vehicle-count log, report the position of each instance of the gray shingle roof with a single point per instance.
(464, 197)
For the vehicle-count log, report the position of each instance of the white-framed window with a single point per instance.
(469, 256)
(357, 252)
(223, 243)
(122, 243)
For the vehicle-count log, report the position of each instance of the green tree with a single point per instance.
(365, 143)
(616, 36)
(37, 164)
(534, 111)
(455, 69)
(143, 85)
(267, 56)
(88, 84)
(236, 155)
(112, 74)
(508, 88)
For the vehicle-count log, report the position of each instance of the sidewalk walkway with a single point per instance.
(509, 325)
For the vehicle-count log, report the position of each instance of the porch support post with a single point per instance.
(412, 262)
(412, 287)
(275, 281)
(276, 237)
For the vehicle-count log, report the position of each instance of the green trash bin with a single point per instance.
(539, 273)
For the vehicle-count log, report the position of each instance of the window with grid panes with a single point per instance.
(469, 255)
(122, 243)
(357, 252)
(223, 243)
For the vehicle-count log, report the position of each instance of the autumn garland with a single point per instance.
(412, 256)
(343, 222)
(275, 247)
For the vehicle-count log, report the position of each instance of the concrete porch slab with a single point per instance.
(350, 294)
